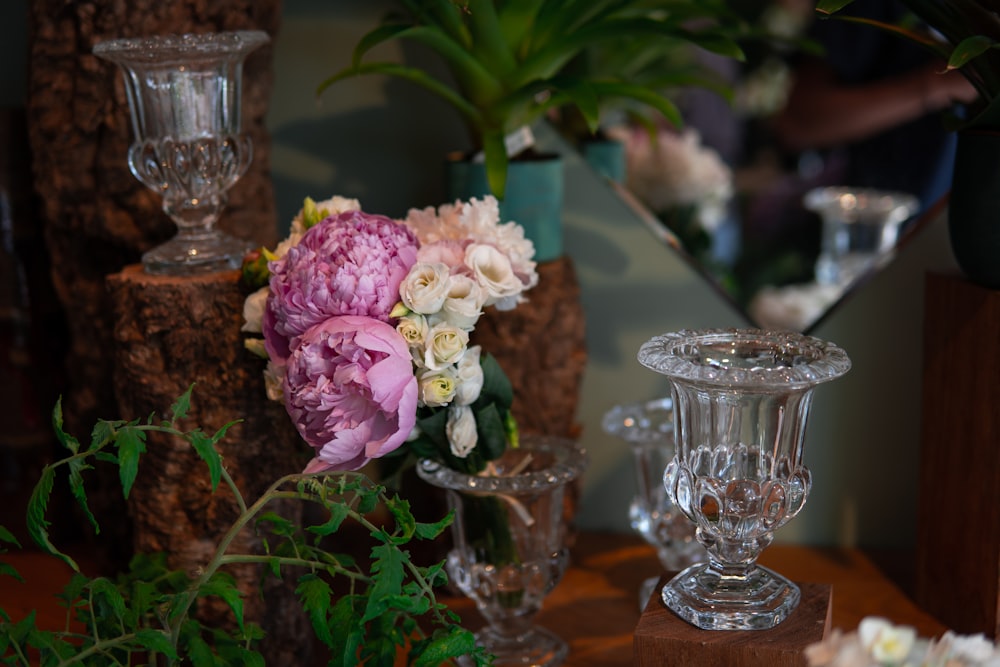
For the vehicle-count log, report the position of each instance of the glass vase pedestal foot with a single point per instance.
(710, 598)
(664, 639)
(183, 255)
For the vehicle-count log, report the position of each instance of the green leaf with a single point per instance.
(102, 589)
(443, 647)
(831, 6)
(405, 522)
(179, 410)
(7, 536)
(205, 447)
(338, 512)
(200, 652)
(491, 432)
(157, 641)
(6, 569)
(968, 49)
(387, 571)
(315, 594)
(76, 468)
(496, 386)
(223, 585)
(67, 441)
(37, 524)
(429, 531)
(102, 433)
(495, 154)
(131, 445)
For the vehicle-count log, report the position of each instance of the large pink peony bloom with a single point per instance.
(351, 263)
(350, 390)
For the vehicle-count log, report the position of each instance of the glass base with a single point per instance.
(536, 648)
(182, 256)
(706, 599)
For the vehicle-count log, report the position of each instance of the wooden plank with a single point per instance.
(958, 533)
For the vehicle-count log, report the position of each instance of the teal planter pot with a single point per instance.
(974, 207)
(533, 197)
(606, 157)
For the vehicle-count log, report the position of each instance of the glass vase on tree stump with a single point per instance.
(741, 402)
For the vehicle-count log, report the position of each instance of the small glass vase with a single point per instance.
(860, 229)
(509, 542)
(184, 95)
(648, 428)
(741, 403)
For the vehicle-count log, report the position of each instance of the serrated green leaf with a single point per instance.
(429, 531)
(7, 536)
(442, 647)
(76, 468)
(387, 574)
(37, 524)
(205, 447)
(338, 512)
(179, 410)
(104, 590)
(199, 652)
(131, 443)
(156, 640)
(315, 594)
(8, 570)
(64, 438)
(400, 509)
(223, 585)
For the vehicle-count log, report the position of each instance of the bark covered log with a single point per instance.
(170, 332)
(98, 218)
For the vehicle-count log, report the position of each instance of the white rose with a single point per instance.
(886, 642)
(464, 304)
(425, 287)
(444, 346)
(461, 431)
(469, 376)
(493, 271)
(413, 328)
(253, 310)
(437, 388)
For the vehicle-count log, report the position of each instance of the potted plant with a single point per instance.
(510, 63)
(964, 33)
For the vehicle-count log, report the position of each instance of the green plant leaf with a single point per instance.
(387, 570)
(338, 512)
(76, 468)
(64, 438)
(37, 524)
(831, 6)
(181, 406)
(315, 594)
(131, 443)
(223, 585)
(405, 522)
(103, 590)
(7, 536)
(429, 531)
(968, 49)
(6, 569)
(205, 446)
(157, 641)
(443, 647)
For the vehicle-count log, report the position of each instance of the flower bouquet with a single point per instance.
(365, 323)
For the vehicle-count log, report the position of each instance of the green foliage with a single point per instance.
(966, 35)
(145, 615)
(511, 61)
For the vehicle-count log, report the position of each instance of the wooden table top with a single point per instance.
(596, 606)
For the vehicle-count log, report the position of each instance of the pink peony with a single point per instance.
(350, 390)
(351, 263)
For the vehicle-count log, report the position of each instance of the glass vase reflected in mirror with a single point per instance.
(510, 542)
(860, 229)
(648, 428)
(184, 96)
(741, 404)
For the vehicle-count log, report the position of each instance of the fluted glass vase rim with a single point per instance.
(804, 360)
(570, 463)
(168, 48)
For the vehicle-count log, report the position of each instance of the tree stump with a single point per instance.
(98, 218)
(541, 346)
(170, 332)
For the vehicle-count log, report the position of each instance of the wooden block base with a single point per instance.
(663, 639)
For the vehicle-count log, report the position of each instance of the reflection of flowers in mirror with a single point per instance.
(676, 171)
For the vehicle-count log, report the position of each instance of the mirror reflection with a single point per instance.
(792, 190)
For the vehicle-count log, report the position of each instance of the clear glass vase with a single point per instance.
(648, 428)
(860, 229)
(184, 95)
(509, 542)
(741, 403)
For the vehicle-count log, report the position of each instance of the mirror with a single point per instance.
(776, 231)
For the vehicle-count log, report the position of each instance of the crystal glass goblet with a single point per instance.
(741, 403)
(648, 428)
(184, 95)
(509, 542)
(860, 229)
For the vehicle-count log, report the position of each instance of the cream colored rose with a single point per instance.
(469, 376)
(461, 430)
(413, 328)
(253, 310)
(493, 271)
(437, 388)
(444, 346)
(464, 304)
(425, 287)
